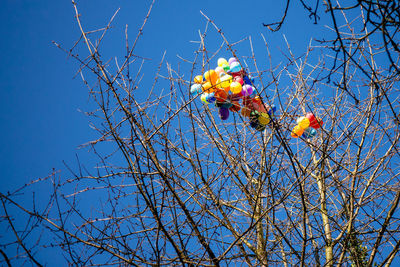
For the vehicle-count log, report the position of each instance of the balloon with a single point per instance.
(257, 100)
(223, 113)
(222, 73)
(225, 67)
(235, 97)
(311, 118)
(235, 106)
(245, 112)
(221, 95)
(219, 70)
(211, 76)
(297, 131)
(236, 87)
(225, 81)
(227, 89)
(218, 84)
(303, 122)
(231, 60)
(262, 108)
(226, 104)
(203, 97)
(235, 66)
(253, 123)
(239, 80)
(195, 88)
(247, 101)
(256, 106)
(222, 61)
(247, 80)
(210, 98)
(254, 115)
(264, 119)
(309, 133)
(247, 90)
(207, 87)
(198, 79)
(238, 73)
(260, 127)
(317, 123)
(229, 83)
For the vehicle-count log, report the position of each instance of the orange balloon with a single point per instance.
(211, 76)
(221, 95)
(297, 131)
(245, 112)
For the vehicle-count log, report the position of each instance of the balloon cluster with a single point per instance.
(226, 86)
(306, 126)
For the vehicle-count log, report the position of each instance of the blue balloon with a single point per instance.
(235, 66)
(273, 107)
(226, 104)
(210, 98)
(223, 113)
(253, 123)
(247, 80)
(309, 133)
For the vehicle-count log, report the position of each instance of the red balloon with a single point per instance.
(317, 123)
(235, 106)
(310, 117)
(239, 79)
(248, 102)
(221, 95)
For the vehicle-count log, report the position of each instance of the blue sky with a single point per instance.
(40, 98)
(40, 95)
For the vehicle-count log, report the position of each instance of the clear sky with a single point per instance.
(40, 96)
(40, 122)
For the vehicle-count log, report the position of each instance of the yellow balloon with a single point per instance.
(236, 87)
(218, 85)
(203, 98)
(222, 61)
(198, 79)
(207, 87)
(264, 118)
(226, 80)
(303, 122)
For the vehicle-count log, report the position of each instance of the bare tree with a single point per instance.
(179, 186)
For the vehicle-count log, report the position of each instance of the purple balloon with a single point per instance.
(223, 113)
(247, 90)
(232, 59)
